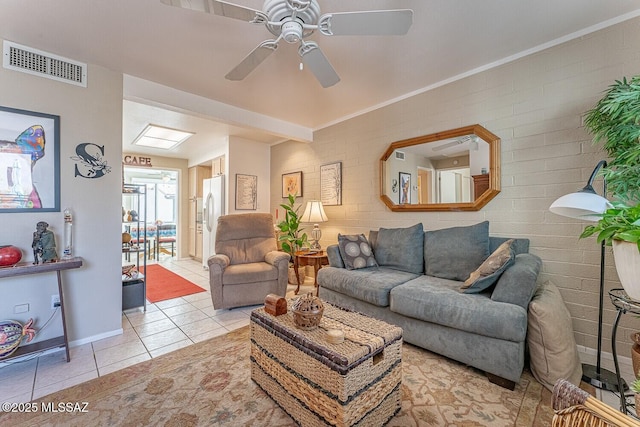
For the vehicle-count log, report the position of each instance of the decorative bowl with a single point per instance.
(307, 312)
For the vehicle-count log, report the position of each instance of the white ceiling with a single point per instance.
(192, 52)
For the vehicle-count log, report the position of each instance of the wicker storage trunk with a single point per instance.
(318, 383)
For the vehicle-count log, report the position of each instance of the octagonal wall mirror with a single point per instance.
(454, 170)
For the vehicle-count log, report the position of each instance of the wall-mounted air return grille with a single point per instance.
(400, 155)
(32, 61)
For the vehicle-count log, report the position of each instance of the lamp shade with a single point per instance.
(584, 205)
(314, 212)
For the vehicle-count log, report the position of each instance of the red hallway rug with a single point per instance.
(163, 284)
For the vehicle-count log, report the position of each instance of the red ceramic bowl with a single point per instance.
(9, 255)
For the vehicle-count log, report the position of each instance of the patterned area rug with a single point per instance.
(209, 384)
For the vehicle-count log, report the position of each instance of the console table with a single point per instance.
(623, 304)
(22, 269)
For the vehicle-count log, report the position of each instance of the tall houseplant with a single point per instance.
(615, 122)
(291, 238)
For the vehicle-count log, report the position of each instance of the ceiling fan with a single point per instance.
(467, 138)
(294, 21)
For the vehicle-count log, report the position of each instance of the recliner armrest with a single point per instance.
(276, 257)
(218, 259)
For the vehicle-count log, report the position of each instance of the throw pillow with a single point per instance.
(552, 346)
(401, 248)
(356, 252)
(453, 253)
(491, 269)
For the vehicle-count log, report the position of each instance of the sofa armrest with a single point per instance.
(519, 282)
(335, 259)
(219, 260)
(276, 257)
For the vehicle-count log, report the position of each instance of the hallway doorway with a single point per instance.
(161, 215)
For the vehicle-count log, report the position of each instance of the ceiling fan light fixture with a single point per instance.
(292, 32)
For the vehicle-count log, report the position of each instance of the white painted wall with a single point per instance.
(248, 158)
(93, 293)
(535, 105)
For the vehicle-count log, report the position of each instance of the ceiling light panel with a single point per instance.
(161, 137)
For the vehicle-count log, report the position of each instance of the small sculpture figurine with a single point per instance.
(134, 216)
(44, 244)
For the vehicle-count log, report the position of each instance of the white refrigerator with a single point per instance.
(213, 196)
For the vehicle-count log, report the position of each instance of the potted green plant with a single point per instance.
(291, 238)
(635, 387)
(615, 122)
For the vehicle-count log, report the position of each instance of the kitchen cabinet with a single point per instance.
(217, 166)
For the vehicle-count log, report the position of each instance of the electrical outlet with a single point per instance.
(55, 301)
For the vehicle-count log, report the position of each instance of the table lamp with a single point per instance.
(314, 213)
(586, 204)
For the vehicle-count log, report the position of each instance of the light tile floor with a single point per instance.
(165, 326)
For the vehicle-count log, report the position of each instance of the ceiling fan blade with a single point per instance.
(453, 143)
(216, 7)
(251, 61)
(319, 65)
(367, 23)
(234, 11)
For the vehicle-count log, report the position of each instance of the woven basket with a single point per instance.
(292, 276)
(307, 312)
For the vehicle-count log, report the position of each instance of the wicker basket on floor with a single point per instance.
(575, 407)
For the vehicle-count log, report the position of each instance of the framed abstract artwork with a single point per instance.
(29, 161)
(331, 184)
(292, 184)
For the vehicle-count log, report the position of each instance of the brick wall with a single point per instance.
(535, 105)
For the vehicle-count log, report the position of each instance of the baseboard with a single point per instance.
(588, 355)
(93, 338)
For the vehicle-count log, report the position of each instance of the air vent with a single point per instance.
(400, 155)
(43, 64)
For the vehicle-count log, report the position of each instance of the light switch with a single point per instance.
(21, 308)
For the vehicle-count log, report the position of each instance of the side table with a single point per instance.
(623, 304)
(316, 259)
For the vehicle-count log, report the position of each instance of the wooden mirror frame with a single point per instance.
(479, 202)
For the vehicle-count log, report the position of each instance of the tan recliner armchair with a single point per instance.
(247, 265)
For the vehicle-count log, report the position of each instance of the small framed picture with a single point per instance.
(246, 192)
(331, 184)
(405, 188)
(292, 184)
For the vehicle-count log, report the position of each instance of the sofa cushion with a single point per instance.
(366, 284)
(552, 346)
(490, 270)
(400, 248)
(518, 283)
(453, 253)
(439, 301)
(355, 251)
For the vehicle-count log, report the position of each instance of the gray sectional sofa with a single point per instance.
(417, 286)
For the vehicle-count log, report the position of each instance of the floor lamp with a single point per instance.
(586, 204)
